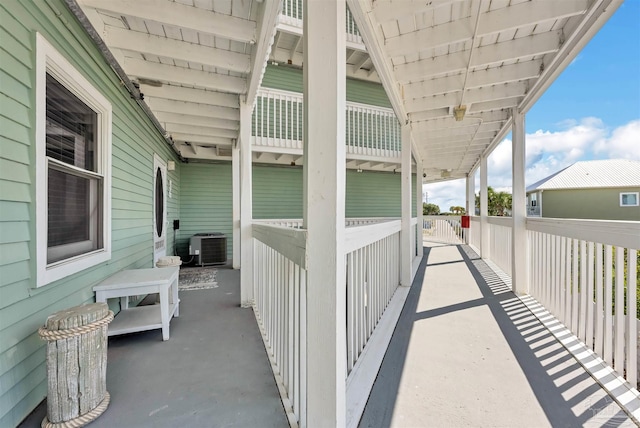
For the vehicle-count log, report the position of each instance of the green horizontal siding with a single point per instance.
(357, 91)
(205, 203)
(599, 204)
(277, 193)
(23, 308)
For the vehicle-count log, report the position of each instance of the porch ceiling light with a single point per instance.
(445, 173)
(458, 112)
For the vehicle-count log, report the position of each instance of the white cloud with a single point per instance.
(546, 153)
(624, 142)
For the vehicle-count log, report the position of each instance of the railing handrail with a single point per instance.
(610, 232)
(500, 221)
(360, 236)
(288, 241)
(300, 97)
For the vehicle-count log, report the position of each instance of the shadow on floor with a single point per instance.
(560, 392)
(212, 372)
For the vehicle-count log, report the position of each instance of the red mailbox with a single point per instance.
(465, 222)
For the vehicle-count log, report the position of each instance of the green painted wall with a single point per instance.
(205, 203)
(277, 193)
(603, 204)
(359, 91)
(24, 308)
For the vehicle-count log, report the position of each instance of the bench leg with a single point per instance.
(176, 299)
(164, 311)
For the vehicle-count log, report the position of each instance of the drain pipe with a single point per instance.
(124, 79)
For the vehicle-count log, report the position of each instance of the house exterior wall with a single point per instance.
(23, 307)
(602, 204)
(358, 91)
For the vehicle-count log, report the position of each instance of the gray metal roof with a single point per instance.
(593, 174)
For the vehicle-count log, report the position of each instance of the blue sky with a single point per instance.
(591, 111)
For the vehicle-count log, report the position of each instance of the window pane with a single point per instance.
(71, 127)
(629, 199)
(73, 215)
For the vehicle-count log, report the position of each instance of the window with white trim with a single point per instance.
(73, 170)
(629, 199)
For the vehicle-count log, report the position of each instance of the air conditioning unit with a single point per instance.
(208, 248)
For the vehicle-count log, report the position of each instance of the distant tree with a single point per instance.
(430, 209)
(499, 203)
(457, 210)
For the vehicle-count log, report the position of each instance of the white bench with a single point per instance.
(134, 282)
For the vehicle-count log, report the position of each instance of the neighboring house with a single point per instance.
(598, 189)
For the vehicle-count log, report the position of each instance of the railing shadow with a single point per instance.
(555, 378)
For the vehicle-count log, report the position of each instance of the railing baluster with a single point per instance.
(618, 355)
(632, 323)
(599, 302)
(574, 288)
(589, 296)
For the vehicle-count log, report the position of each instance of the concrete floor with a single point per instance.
(467, 353)
(212, 372)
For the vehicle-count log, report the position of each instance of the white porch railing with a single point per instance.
(581, 271)
(442, 229)
(372, 256)
(585, 273)
(279, 279)
(373, 274)
(500, 242)
(292, 14)
(474, 233)
(277, 123)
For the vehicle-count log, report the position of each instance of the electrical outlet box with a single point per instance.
(176, 224)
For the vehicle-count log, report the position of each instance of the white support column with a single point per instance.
(406, 253)
(235, 178)
(324, 210)
(246, 208)
(484, 209)
(418, 191)
(519, 252)
(471, 201)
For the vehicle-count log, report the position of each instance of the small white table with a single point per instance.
(134, 282)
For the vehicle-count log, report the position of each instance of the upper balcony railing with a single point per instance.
(293, 12)
(278, 122)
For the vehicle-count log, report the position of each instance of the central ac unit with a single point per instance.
(208, 248)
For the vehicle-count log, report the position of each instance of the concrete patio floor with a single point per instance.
(212, 372)
(467, 353)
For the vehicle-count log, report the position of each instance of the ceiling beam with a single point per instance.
(476, 95)
(524, 47)
(494, 105)
(477, 78)
(206, 131)
(191, 95)
(491, 22)
(179, 15)
(394, 9)
(373, 39)
(452, 132)
(266, 31)
(192, 109)
(450, 122)
(177, 49)
(176, 118)
(202, 140)
(183, 76)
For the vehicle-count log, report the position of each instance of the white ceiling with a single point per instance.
(195, 60)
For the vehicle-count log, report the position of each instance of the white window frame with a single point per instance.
(630, 193)
(49, 60)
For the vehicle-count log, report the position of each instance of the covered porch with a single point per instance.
(466, 352)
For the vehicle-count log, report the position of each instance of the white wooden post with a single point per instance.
(484, 209)
(246, 207)
(471, 201)
(418, 192)
(324, 204)
(406, 253)
(235, 178)
(519, 256)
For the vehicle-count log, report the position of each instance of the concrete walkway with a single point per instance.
(212, 372)
(467, 353)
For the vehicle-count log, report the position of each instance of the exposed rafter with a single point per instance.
(179, 15)
(180, 93)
